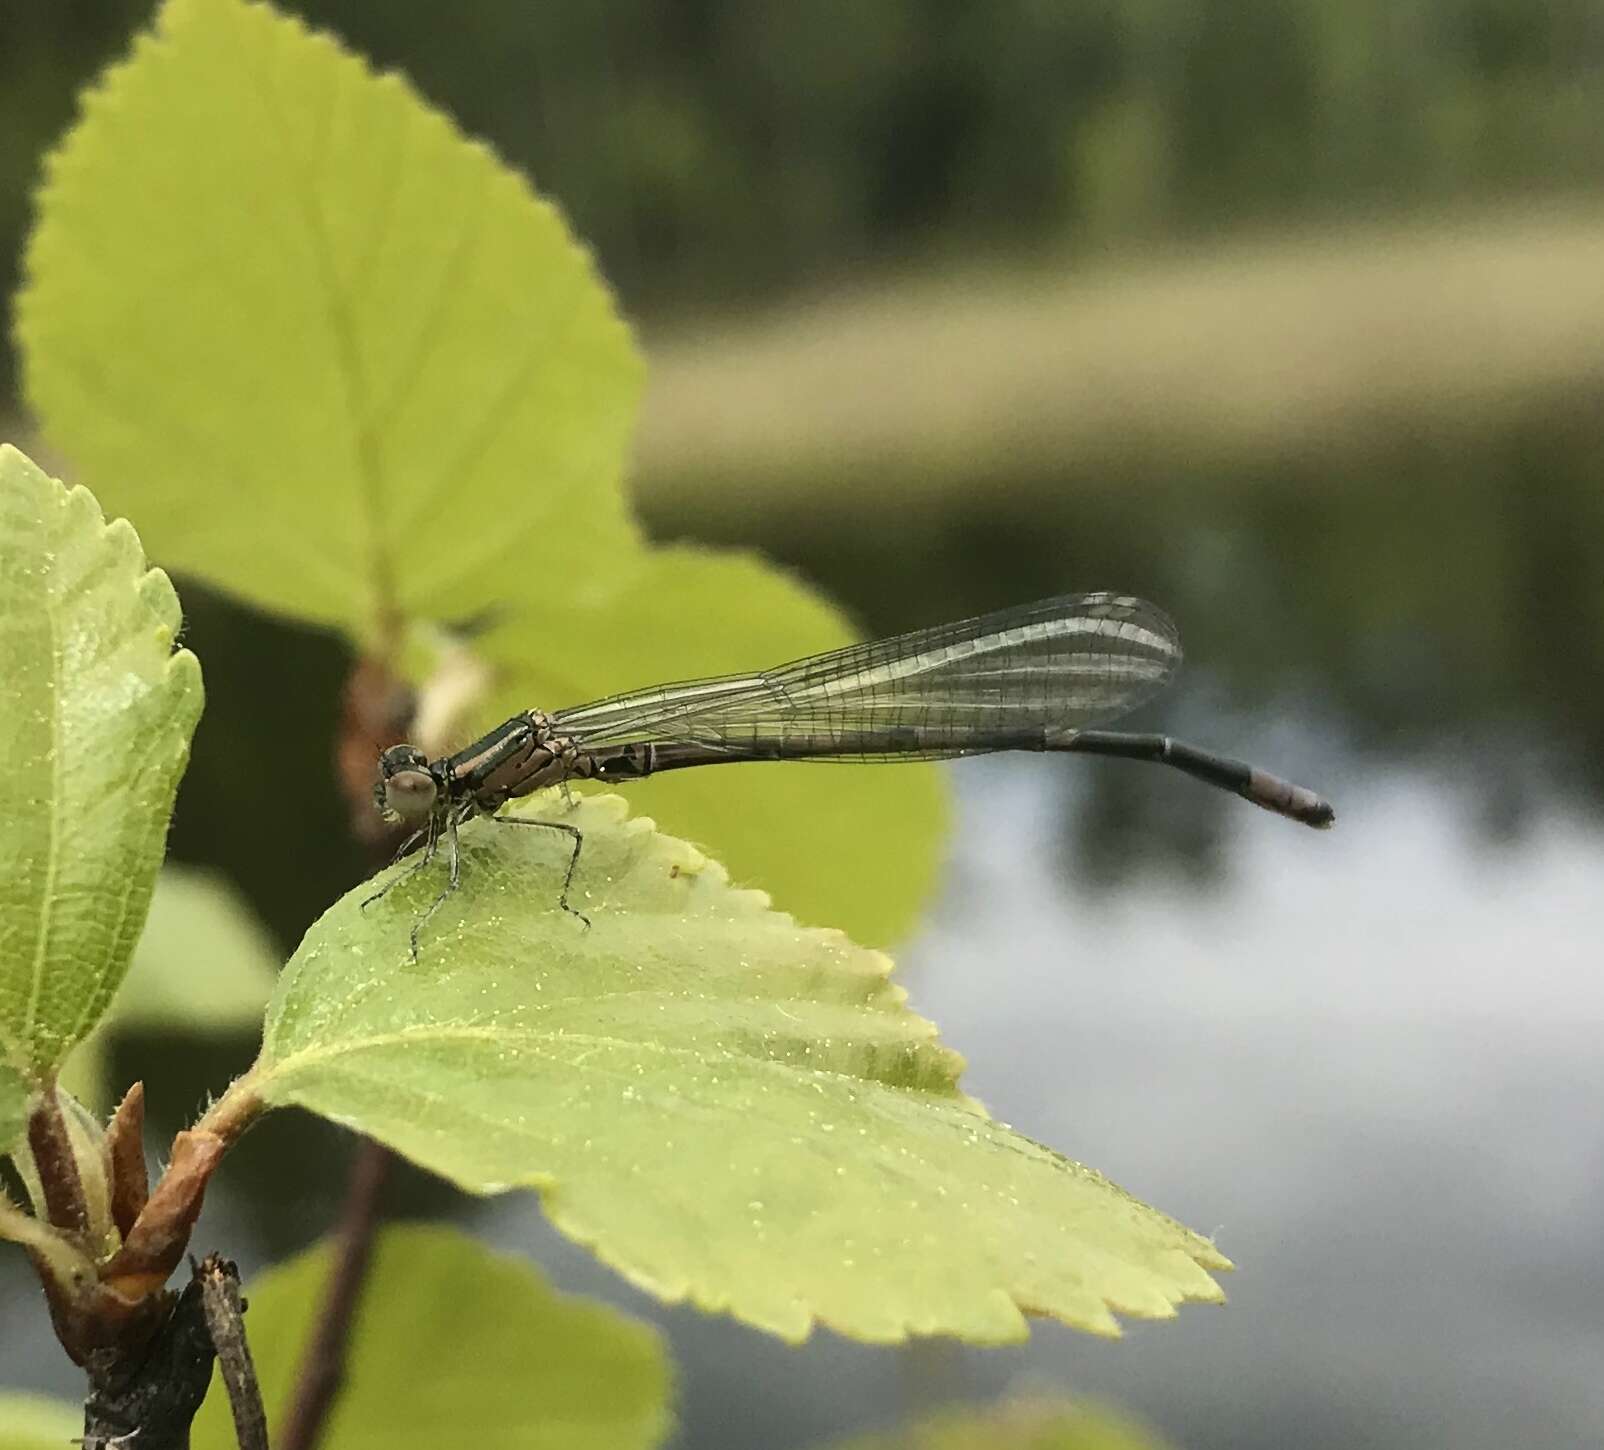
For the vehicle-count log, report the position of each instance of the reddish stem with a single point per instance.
(322, 1368)
(51, 1144)
(376, 713)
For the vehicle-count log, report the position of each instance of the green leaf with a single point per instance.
(728, 1107)
(335, 357)
(457, 1346)
(1022, 1425)
(341, 362)
(857, 846)
(96, 712)
(37, 1422)
(203, 964)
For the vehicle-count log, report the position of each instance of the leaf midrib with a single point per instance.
(370, 482)
(19, 1052)
(303, 1058)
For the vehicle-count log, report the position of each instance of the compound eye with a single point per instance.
(401, 757)
(405, 792)
(409, 795)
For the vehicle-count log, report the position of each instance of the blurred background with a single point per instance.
(1287, 314)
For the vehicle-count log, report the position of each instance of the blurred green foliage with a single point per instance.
(456, 1345)
(711, 149)
(36, 1422)
(1022, 1424)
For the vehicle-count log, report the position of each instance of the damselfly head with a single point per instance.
(406, 789)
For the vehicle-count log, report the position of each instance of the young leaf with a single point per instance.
(37, 1422)
(336, 358)
(727, 1106)
(855, 846)
(96, 712)
(457, 1346)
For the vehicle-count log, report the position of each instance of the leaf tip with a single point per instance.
(186, 683)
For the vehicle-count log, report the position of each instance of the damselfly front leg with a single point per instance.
(431, 832)
(454, 880)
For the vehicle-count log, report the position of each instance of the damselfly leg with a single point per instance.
(426, 855)
(452, 882)
(432, 834)
(573, 860)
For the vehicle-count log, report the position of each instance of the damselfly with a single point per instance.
(1028, 678)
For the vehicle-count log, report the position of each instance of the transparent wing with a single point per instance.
(1014, 679)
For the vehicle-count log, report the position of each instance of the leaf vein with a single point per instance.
(53, 825)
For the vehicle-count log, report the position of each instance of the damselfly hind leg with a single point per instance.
(573, 860)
